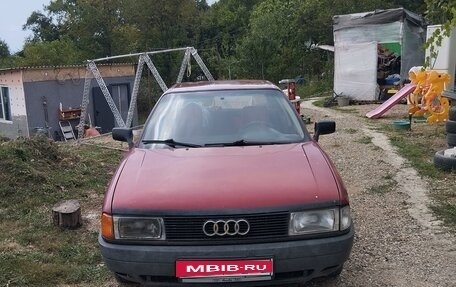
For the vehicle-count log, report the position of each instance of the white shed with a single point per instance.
(359, 37)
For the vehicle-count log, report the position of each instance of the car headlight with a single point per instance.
(319, 221)
(314, 221)
(141, 228)
(345, 218)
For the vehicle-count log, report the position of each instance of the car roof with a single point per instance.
(221, 85)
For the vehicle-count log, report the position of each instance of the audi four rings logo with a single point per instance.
(226, 227)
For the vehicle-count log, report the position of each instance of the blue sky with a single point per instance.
(13, 17)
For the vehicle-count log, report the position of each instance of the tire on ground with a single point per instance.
(450, 126)
(452, 114)
(444, 162)
(451, 139)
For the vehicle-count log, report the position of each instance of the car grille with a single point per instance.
(262, 226)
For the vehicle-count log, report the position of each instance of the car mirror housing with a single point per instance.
(323, 128)
(124, 135)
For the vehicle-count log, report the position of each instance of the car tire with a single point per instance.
(451, 139)
(444, 162)
(452, 114)
(450, 126)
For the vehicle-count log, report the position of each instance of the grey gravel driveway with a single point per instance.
(398, 242)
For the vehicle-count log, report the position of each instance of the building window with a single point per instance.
(5, 109)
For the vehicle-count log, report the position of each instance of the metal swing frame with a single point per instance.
(144, 58)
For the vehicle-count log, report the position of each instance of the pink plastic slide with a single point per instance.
(396, 98)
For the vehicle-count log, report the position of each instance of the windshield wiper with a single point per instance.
(171, 143)
(242, 142)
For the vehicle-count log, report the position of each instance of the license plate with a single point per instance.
(224, 270)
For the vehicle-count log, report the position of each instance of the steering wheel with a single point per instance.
(255, 126)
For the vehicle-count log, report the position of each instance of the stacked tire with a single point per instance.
(446, 159)
(450, 127)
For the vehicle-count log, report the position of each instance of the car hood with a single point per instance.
(224, 178)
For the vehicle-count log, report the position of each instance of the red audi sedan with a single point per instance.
(225, 187)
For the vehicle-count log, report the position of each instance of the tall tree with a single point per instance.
(267, 47)
(220, 30)
(95, 27)
(237, 38)
(58, 52)
(282, 35)
(4, 49)
(164, 24)
(42, 26)
(439, 12)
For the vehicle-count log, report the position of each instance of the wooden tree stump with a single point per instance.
(67, 214)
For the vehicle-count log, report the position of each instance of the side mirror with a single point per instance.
(324, 128)
(124, 135)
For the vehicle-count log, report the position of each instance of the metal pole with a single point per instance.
(185, 63)
(203, 67)
(107, 94)
(134, 93)
(85, 102)
(155, 73)
(137, 54)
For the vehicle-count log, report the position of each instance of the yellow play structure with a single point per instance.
(427, 97)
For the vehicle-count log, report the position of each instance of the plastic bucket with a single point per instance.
(402, 125)
(343, 101)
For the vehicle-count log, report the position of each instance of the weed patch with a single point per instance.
(350, 131)
(347, 110)
(365, 140)
(446, 212)
(389, 184)
(35, 174)
(418, 146)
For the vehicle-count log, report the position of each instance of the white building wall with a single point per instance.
(18, 125)
(446, 58)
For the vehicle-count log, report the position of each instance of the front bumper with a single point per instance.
(294, 261)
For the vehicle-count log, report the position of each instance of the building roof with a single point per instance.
(377, 17)
(59, 67)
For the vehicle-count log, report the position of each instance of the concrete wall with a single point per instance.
(67, 92)
(18, 124)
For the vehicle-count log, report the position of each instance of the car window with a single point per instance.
(224, 117)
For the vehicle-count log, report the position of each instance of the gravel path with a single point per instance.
(398, 242)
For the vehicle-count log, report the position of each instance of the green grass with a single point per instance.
(389, 184)
(351, 131)
(365, 140)
(315, 88)
(320, 102)
(445, 211)
(382, 188)
(420, 156)
(35, 174)
(347, 110)
(418, 146)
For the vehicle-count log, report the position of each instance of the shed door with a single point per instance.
(103, 116)
(355, 71)
(121, 97)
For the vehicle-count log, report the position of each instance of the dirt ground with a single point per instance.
(398, 241)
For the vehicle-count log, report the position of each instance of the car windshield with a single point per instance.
(222, 118)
